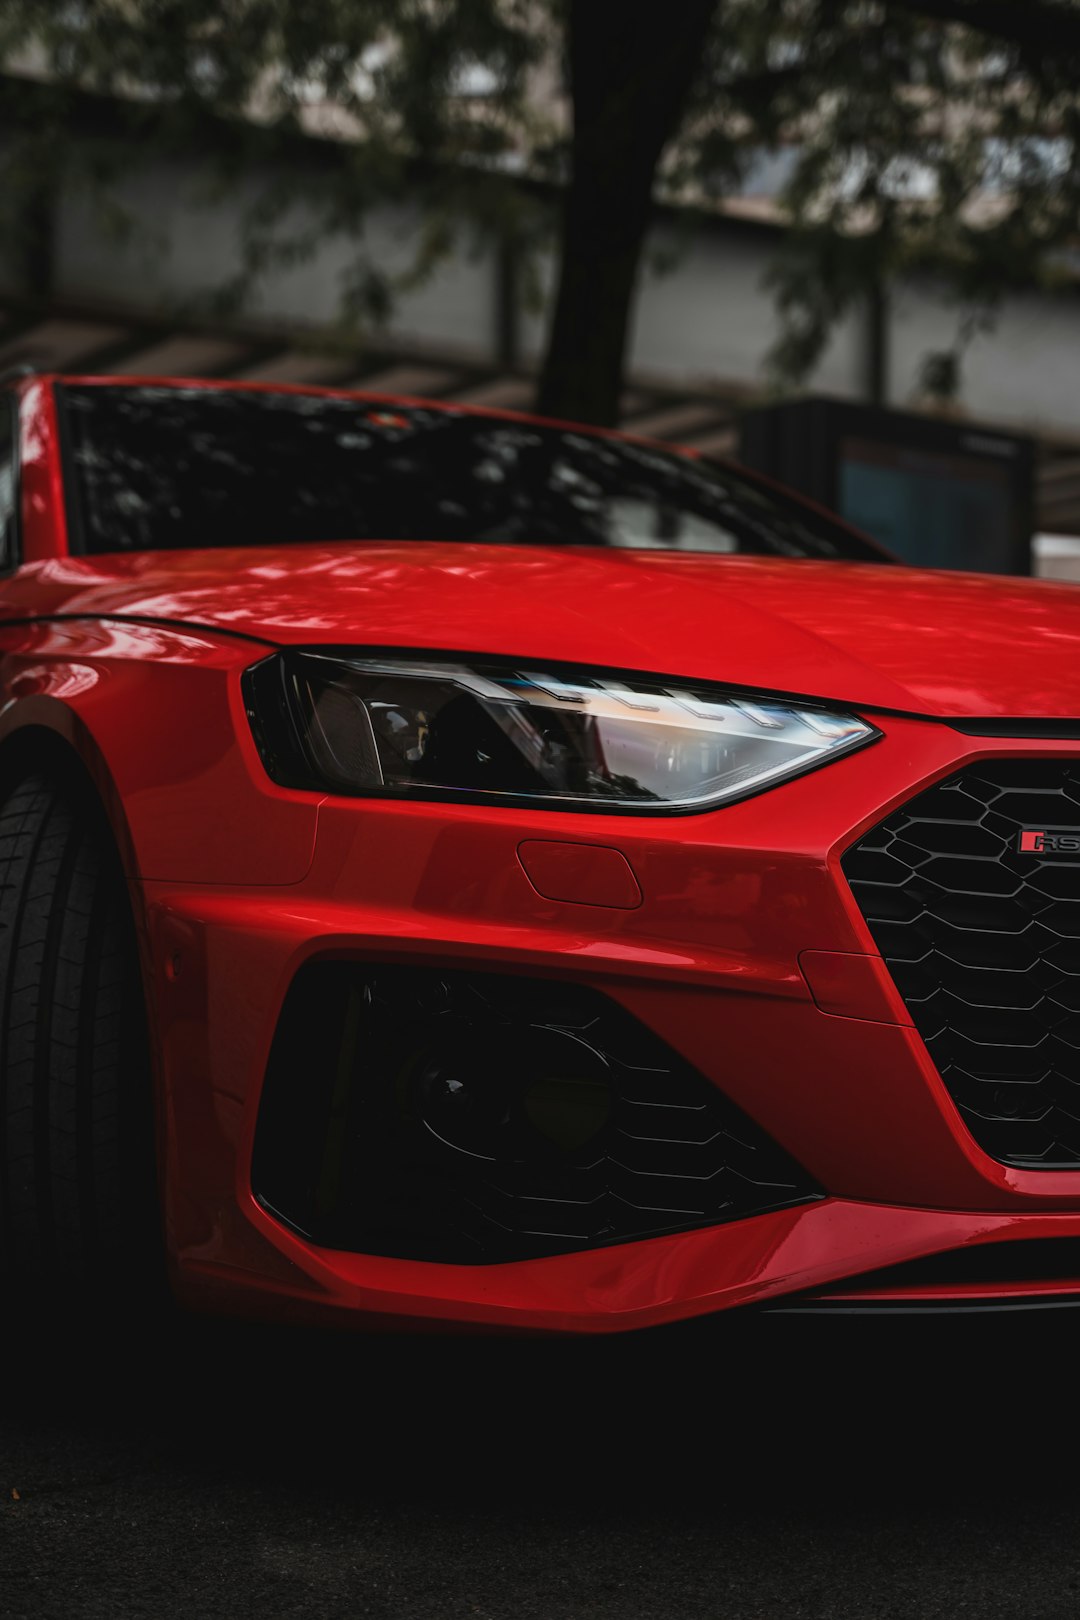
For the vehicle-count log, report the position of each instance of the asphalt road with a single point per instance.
(798, 1468)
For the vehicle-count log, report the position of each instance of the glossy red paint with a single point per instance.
(908, 640)
(850, 985)
(156, 713)
(580, 874)
(731, 934)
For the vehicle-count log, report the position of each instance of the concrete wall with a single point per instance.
(709, 316)
(1025, 371)
(181, 241)
(702, 319)
(706, 320)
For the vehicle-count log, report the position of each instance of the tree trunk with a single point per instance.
(631, 71)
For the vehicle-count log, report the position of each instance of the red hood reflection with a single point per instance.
(945, 644)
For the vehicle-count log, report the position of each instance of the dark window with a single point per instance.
(160, 468)
(9, 482)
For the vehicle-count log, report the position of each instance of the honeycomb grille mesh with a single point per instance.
(983, 943)
(469, 1117)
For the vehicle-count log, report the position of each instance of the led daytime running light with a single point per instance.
(418, 728)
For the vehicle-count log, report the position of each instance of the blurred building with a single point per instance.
(138, 300)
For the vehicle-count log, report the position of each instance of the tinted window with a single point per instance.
(160, 468)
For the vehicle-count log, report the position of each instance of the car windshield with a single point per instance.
(158, 468)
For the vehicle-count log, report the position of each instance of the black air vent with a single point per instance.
(983, 942)
(480, 1117)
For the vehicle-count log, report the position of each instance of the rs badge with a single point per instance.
(1049, 841)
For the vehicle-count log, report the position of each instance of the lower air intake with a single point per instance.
(470, 1118)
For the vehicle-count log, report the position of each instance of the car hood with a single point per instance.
(862, 634)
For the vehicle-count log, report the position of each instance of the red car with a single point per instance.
(466, 869)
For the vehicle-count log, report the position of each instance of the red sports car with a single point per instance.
(458, 868)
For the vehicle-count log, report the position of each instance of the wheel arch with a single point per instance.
(43, 733)
(81, 1130)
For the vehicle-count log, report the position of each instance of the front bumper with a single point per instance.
(746, 955)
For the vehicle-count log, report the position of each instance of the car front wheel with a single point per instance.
(76, 1134)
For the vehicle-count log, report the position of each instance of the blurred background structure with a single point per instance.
(659, 216)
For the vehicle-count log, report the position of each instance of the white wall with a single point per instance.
(708, 320)
(1056, 556)
(1025, 372)
(703, 316)
(710, 317)
(181, 242)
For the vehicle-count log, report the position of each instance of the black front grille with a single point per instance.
(983, 942)
(470, 1117)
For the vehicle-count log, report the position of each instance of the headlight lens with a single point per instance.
(405, 728)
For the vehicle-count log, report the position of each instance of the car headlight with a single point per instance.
(403, 727)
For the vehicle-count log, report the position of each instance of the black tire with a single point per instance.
(76, 1135)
